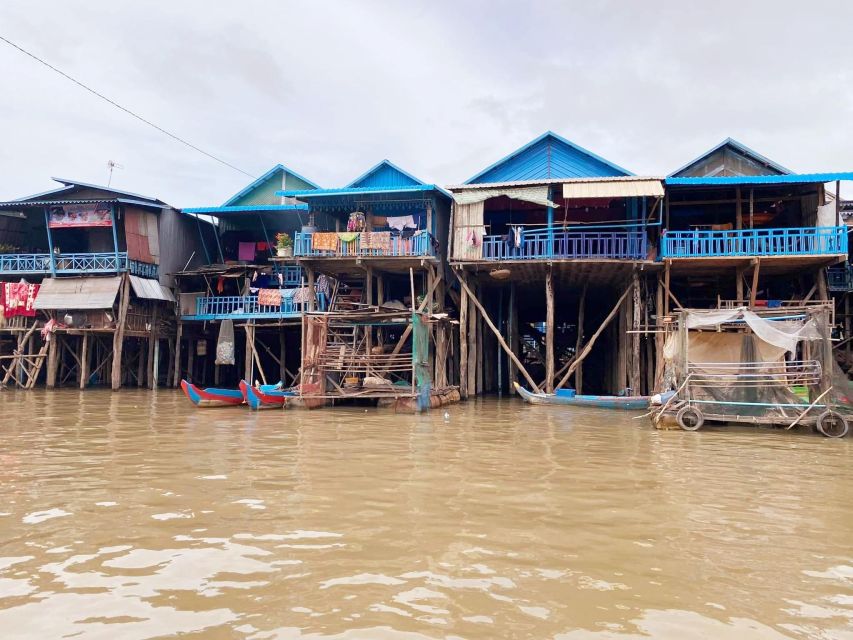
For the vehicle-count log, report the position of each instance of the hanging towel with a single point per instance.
(246, 251)
(516, 236)
(322, 241)
(347, 236)
(19, 299)
(269, 298)
(380, 240)
(401, 222)
(302, 295)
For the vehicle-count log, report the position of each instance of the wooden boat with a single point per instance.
(602, 402)
(211, 397)
(267, 396)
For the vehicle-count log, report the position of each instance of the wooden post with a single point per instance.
(153, 347)
(549, 331)
(176, 380)
(660, 337)
(635, 336)
(822, 292)
(84, 361)
(478, 327)
(754, 291)
(739, 284)
(141, 363)
(847, 362)
(751, 207)
(52, 359)
(312, 297)
(738, 210)
(463, 338)
(472, 342)
(512, 326)
(282, 353)
(667, 266)
(118, 336)
(191, 347)
(248, 357)
(838, 203)
(579, 340)
(497, 333)
(580, 357)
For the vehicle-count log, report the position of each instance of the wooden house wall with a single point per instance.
(181, 243)
(727, 162)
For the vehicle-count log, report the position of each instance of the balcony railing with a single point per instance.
(292, 275)
(810, 241)
(418, 245)
(74, 263)
(247, 307)
(840, 278)
(547, 244)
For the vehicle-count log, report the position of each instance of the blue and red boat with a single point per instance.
(568, 397)
(211, 397)
(266, 396)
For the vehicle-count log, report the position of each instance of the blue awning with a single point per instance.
(251, 208)
(733, 181)
(361, 191)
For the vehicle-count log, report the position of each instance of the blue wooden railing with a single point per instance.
(840, 278)
(418, 245)
(293, 274)
(544, 244)
(243, 307)
(74, 263)
(754, 242)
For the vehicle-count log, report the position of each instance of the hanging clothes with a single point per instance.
(269, 297)
(225, 343)
(322, 241)
(356, 222)
(19, 299)
(380, 240)
(401, 222)
(246, 251)
(322, 285)
(220, 285)
(515, 233)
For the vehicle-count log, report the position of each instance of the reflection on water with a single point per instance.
(134, 515)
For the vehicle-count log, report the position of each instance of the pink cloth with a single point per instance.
(19, 299)
(246, 251)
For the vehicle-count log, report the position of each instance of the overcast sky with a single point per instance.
(442, 89)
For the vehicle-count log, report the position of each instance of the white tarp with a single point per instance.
(784, 334)
(826, 215)
(613, 188)
(536, 194)
(150, 289)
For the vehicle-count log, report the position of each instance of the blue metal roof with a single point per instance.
(548, 156)
(266, 176)
(788, 178)
(384, 174)
(249, 208)
(347, 191)
(739, 147)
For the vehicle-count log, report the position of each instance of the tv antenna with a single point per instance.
(112, 164)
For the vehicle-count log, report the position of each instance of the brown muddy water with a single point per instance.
(134, 515)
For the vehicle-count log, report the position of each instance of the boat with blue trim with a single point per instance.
(211, 397)
(569, 397)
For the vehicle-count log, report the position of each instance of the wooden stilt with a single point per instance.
(176, 379)
(191, 359)
(472, 342)
(282, 353)
(579, 340)
(153, 347)
(248, 355)
(667, 268)
(312, 297)
(52, 360)
(463, 338)
(739, 285)
(586, 350)
(753, 292)
(660, 336)
(142, 362)
(497, 333)
(549, 331)
(512, 329)
(84, 360)
(155, 369)
(822, 291)
(118, 337)
(636, 306)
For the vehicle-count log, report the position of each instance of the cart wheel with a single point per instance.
(832, 424)
(690, 418)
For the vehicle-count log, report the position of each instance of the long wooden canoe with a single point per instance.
(602, 402)
(211, 397)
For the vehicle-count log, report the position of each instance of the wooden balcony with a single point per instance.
(551, 244)
(809, 241)
(418, 245)
(67, 264)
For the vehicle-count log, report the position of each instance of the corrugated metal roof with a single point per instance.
(265, 177)
(384, 174)
(741, 148)
(548, 156)
(530, 183)
(613, 189)
(150, 289)
(77, 293)
(246, 208)
(23, 204)
(76, 183)
(790, 178)
(346, 191)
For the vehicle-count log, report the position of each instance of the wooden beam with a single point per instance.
(52, 360)
(579, 340)
(497, 333)
(463, 337)
(176, 379)
(738, 210)
(666, 275)
(549, 331)
(282, 353)
(739, 284)
(84, 361)
(586, 350)
(512, 329)
(153, 348)
(118, 337)
(248, 355)
(635, 336)
(754, 290)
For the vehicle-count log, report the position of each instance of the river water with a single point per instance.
(134, 515)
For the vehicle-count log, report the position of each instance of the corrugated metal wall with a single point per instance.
(179, 238)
